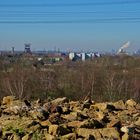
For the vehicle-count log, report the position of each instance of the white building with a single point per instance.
(83, 56)
(71, 56)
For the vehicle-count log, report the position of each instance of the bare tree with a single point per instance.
(15, 82)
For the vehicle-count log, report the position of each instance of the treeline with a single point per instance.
(103, 79)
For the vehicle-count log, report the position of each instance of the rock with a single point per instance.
(128, 129)
(82, 115)
(59, 101)
(108, 133)
(99, 106)
(124, 116)
(12, 110)
(131, 103)
(138, 106)
(73, 104)
(125, 137)
(59, 119)
(49, 137)
(46, 123)
(40, 114)
(55, 118)
(136, 115)
(16, 137)
(138, 122)
(102, 107)
(92, 123)
(100, 116)
(26, 137)
(85, 124)
(125, 129)
(84, 132)
(71, 136)
(33, 128)
(70, 117)
(114, 123)
(75, 124)
(119, 105)
(53, 130)
(8, 100)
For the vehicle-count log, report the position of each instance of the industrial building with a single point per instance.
(73, 56)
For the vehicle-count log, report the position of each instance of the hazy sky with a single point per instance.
(69, 24)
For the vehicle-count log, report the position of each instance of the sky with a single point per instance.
(69, 25)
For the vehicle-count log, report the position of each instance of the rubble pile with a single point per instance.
(61, 119)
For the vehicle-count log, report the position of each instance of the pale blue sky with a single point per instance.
(69, 24)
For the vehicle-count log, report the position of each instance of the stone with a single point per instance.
(131, 103)
(33, 128)
(59, 101)
(49, 137)
(123, 116)
(12, 110)
(55, 118)
(125, 129)
(128, 129)
(92, 123)
(100, 115)
(82, 120)
(8, 100)
(73, 104)
(82, 115)
(46, 123)
(84, 132)
(107, 133)
(70, 117)
(75, 124)
(110, 133)
(138, 106)
(99, 106)
(16, 137)
(114, 123)
(26, 137)
(120, 105)
(70, 136)
(53, 130)
(40, 114)
(138, 122)
(66, 110)
(125, 137)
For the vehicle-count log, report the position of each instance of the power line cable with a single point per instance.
(109, 20)
(66, 12)
(71, 4)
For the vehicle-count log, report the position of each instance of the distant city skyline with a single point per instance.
(99, 25)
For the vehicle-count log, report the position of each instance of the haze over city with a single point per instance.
(99, 25)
